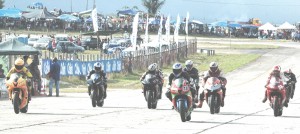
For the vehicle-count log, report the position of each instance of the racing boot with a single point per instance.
(201, 98)
(89, 90)
(105, 94)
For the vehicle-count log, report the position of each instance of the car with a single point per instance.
(115, 50)
(42, 43)
(68, 47)
(32, 40)
(89, 43)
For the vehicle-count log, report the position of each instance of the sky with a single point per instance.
(207, 11)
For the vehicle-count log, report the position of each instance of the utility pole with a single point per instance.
(71, 6)
(94, 4)
(87, 3)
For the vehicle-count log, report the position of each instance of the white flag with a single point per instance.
(134, 30)
(160, 29)
(167, 25)
(95, 20)
(177, 26)
(146, 32)
(187, 23)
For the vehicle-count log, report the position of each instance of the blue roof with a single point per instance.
(12, 13)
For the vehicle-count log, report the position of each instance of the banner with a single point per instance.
(187, 23)
(78, 68)
(176, 31)
(146, 32)
(167, 25)
(95, 19)
(134, 30)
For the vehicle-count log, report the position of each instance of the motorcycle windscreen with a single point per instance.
(179, 84)
(274, 83)
(149, 78)
(212, 84)
(95, 77)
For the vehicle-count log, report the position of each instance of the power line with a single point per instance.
(245, 4)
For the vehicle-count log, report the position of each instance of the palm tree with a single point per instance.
(1, 4)
(153, 5)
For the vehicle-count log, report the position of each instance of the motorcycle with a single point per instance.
(17, 87)
(276, 95)
(213, 94)
(151, 90)
(182, 98)
(97, 90)
(193, 85)
(290, 89)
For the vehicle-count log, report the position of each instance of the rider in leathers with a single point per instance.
(276, 73)
(214, 71)
(97, 69)
(20, 68)
(177, 73)
(288, 73)
(193, 72)
(152, 69)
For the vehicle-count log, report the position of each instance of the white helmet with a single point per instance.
(152, 67)
(97, 66)
(213, 66)
(177, 69)
(189, 64)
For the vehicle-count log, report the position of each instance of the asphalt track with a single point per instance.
(125, 111)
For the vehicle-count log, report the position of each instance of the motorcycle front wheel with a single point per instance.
(16, 102)
(182, 110)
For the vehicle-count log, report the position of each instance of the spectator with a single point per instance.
(54, 76)
(1, 72)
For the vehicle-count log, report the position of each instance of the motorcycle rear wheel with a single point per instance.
(16, 103)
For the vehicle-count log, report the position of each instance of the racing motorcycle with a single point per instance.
(97, 89)
(193, 85)
(276, 95)
(17, 87)
(151, 90)
(290, 89)
(213, 94)
(182, 98)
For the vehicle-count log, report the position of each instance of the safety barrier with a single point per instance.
(209, 52)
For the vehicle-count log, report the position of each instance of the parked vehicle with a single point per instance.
(276, 96)
(213, 94)
(42, 43)
(16, 84)
(182, 98)
(97, 90)
(151, 90)
(32, 40)
(89, 43)
(115, 50)
(68, 47)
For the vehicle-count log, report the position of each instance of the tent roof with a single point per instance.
(12, 13)
(68, 17)
(40, 14)
(127, 12)
(286, 25)
(267, 26)
(15, 47)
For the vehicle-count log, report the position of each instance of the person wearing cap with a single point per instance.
(54, 76)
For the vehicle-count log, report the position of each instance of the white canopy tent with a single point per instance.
(286, 26)
(267, 26)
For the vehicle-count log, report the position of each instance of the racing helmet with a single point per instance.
(213, 66)
(288, 71)
(19, 64)
(177, 69)
(189, 64)
(152, 67)
(276, 70)
(97, 66)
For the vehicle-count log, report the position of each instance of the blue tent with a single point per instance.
(219, 23)
(249, 26)
(11, 13)
(68, 18)
(127, 12)
(232, 25)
